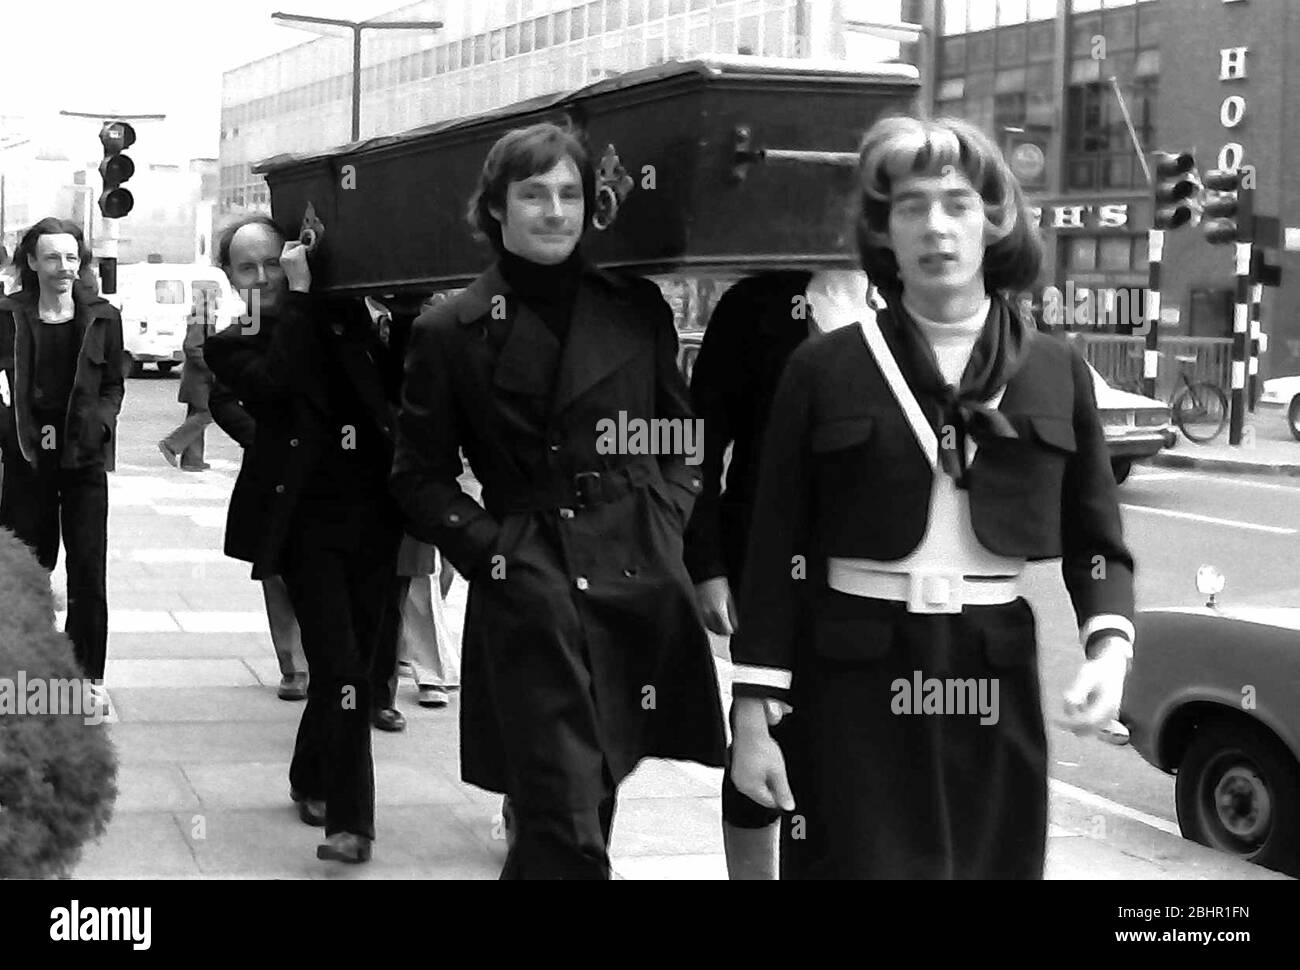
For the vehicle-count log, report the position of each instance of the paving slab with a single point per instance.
(187, 672)
(207, 704)
(139, 845)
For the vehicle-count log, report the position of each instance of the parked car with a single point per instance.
(1136, 426)
(1284, 392)
(157, 299)
(1213, 698)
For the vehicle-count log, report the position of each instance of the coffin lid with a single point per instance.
(712, 67)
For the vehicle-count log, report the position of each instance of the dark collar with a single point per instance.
(94, 308)
(476, 300)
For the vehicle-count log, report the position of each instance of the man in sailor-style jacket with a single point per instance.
(910, 469)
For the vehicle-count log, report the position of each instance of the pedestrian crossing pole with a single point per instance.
(1256, 342)
(1151, 356)
(1240, 345)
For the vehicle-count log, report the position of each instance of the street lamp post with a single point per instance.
(303, 22)
(905, 32)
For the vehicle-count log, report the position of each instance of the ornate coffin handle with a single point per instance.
(313, 230)
(745, 154)
(613, 185)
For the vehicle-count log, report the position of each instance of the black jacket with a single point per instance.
(843, 476)
(277, 371)
(97, 387)
(750, 337)
(581, 637)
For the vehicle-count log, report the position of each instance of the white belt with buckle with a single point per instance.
(923, 590)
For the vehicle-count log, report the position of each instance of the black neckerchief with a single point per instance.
(998, 353)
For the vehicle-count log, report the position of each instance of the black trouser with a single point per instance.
(562, 843)
(339, 566)
(34, 503)
(383, 668)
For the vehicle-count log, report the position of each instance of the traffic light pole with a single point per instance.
(108, 262)
(1256, 298)
(1151, 357)
(1240, 331)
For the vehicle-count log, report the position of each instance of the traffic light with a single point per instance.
(1175, 181)
(116, 168)
(1229, 215)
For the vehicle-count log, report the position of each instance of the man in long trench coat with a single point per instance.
(583, 651)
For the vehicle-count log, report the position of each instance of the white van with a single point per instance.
(157, 300)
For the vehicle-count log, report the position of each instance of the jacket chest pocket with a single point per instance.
(1033, 464)
(841, 434)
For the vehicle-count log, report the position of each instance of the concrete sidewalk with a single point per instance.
(1267, 448)
(204, 746)
(204, 743)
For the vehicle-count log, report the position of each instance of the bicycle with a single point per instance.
(1199, 409)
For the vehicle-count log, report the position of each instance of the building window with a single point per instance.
(1099, 151)
(1081, 254)
(952, 57)
(954, 17)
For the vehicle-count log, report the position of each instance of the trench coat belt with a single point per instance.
(584, 489)
(923, 590)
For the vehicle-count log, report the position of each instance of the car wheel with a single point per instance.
(165, 366)
(1121, 468)
(1238, 791)
(1293, 417)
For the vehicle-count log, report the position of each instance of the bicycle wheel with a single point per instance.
(1201, 411)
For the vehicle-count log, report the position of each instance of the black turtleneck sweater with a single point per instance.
(549, 291)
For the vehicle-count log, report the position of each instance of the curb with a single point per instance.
(1125, 836)
(1236, 466)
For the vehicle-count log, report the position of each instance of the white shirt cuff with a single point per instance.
(761, 676)
(1103, 621)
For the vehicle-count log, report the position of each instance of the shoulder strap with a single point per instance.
(925, 436)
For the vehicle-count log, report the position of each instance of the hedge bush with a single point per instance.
(58, 774)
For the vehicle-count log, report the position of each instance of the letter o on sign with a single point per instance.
(1232, 111)
(1230, 156)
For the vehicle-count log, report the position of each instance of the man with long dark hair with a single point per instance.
(582, 652)
(61, 361)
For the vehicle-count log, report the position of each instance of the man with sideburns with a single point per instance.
(582, 650)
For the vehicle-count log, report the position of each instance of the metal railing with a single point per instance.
(1118, 359)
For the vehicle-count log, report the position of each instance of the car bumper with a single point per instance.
(163, 347)
(1142, 444)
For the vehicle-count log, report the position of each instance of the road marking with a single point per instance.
(1212, 520)
(1246, 480)
(1093, 800)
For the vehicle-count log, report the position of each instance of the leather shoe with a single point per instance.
(310, 810)
(172, 457)
(293, 687)
(388, 719)
(345, 847)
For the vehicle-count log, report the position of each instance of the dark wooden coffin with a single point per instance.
(708, 165)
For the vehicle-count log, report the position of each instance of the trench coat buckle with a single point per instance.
(588, 494)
